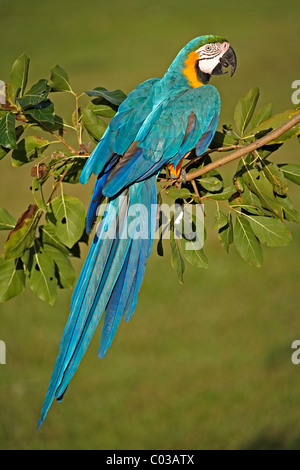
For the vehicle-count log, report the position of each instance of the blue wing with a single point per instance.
(172, 127)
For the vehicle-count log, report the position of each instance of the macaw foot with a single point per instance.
(174, 171)
(177, 172)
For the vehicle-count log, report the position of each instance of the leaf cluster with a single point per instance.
(42, 242)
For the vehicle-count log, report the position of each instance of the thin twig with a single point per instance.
(57, 185)
(196, 191)
(65, 143)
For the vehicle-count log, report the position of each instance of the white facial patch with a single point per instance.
(210, 54)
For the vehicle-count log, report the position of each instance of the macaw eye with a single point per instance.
(208, 48)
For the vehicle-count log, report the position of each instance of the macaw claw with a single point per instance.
(183, 175)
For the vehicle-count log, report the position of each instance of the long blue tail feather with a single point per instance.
(117, 302)
(109, 281)
(95, 305)
(124, 296)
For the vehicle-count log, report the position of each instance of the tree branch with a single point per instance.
(208, 152)
(245, 150)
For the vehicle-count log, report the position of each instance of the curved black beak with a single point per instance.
(228, 59)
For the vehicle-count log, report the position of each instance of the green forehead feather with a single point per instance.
(209, 39)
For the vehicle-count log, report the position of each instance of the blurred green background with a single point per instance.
(206, 365)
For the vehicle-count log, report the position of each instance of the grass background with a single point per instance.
(206, 365)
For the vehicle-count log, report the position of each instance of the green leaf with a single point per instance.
(222, 139)
(22, 236)
(12, 278)
(193, 256)
(66, 274)
(102, 110)
(40, 88)
(220, 219)
(37, 93)
(289, 212)
(40, 272)
(177, 262)
(225, 229)
(270, 230)
(180, 193)
(67, 214)
(7, 221)
(28, 149)
(276, 121)
(7, 131)
(48, 237)
(74, 167)
(3, 152)
(248, 201)
(211, 183)
(59, 80)
(93, 124)
(226, 234)
(276, 177)
(20, 129)
(245, 108)
(56, 123)
(258, 183)
(19, 76)
(3, 112)
(43, 112)
(38, 195)
(239, 183)
(222, 196)
(264, 113)
(115, 97)
(291, 171)
(246, 242)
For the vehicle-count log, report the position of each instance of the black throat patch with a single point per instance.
(202, 76)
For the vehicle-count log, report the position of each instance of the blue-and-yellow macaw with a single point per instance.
(159, 122)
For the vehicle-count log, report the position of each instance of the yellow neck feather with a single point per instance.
(190, 70)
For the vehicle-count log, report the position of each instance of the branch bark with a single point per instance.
(245, 150)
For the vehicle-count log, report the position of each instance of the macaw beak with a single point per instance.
(227, 59)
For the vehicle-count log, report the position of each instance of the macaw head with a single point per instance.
(205, 56)
(215, 53)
